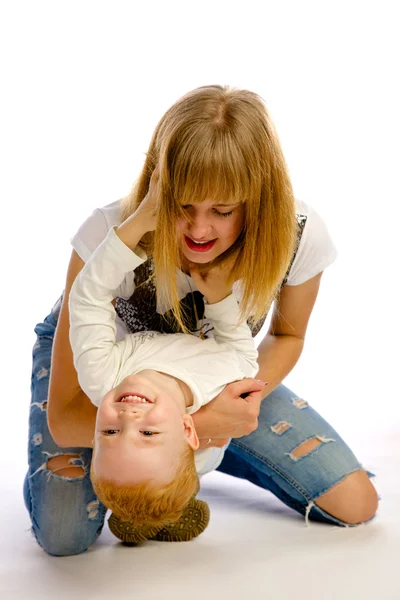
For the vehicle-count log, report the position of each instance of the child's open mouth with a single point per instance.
(199, 246)
(134, 399)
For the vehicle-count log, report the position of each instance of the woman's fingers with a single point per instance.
(245, 387)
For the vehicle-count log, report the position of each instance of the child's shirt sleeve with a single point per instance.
(98, 358)
(233, 333)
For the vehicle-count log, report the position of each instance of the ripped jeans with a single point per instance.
(67, 517)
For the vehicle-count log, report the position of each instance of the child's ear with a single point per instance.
(190, 432)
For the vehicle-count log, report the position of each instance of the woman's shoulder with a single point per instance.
(95, 228)
(315, 249)
(312, 227)
(301, 207)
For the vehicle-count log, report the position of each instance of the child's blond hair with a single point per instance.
(144, 503)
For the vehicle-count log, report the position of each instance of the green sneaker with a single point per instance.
(192, 522)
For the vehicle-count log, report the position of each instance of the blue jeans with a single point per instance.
(67, 517)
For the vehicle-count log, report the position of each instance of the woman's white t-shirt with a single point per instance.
(315, 251)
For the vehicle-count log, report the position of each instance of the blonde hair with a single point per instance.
(144, 503)
(219, 142)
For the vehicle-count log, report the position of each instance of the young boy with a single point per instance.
(147, 385)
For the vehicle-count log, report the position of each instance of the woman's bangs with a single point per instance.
(223, 182)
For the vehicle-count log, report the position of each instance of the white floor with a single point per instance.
(254, 547)
(58, 164)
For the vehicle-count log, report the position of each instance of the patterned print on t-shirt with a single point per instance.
(139, 312)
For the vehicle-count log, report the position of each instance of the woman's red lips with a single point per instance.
(199, 246)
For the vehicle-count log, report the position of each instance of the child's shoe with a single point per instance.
(192, 522)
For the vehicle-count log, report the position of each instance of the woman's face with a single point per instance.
(212, 229)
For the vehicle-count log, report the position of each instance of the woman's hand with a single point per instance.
(215, 285)
(230, 415)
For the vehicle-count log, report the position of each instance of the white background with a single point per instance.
(83, 86)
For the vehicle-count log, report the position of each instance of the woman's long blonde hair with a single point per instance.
(219, 143)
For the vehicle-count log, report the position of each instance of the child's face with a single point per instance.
(137, 440)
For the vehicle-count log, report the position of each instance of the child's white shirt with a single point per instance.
(102, 362)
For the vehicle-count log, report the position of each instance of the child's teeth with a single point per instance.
(134, 398)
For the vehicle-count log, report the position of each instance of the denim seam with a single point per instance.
(33, 511)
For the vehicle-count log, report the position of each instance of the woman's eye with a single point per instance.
(222, 214)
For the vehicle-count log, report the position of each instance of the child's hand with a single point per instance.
(144, 219)
(147, 210)
(215, 285)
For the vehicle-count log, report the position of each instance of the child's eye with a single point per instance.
(148, 432)
(222, 214)
(110, 431)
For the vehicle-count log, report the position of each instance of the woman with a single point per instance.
(225, 196)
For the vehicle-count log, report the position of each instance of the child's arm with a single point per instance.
(222, 309)
(234, 333)
(97, 356)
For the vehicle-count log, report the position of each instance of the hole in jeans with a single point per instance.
(64, 465)
(280, 427)
(300, 403)
(305, 448)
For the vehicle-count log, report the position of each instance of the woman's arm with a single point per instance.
(228, 415)
(281, 348)
(70, 414)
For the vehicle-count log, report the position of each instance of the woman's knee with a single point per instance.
(353, 500)
(66, 516)
(59, 541)
(69, 534)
